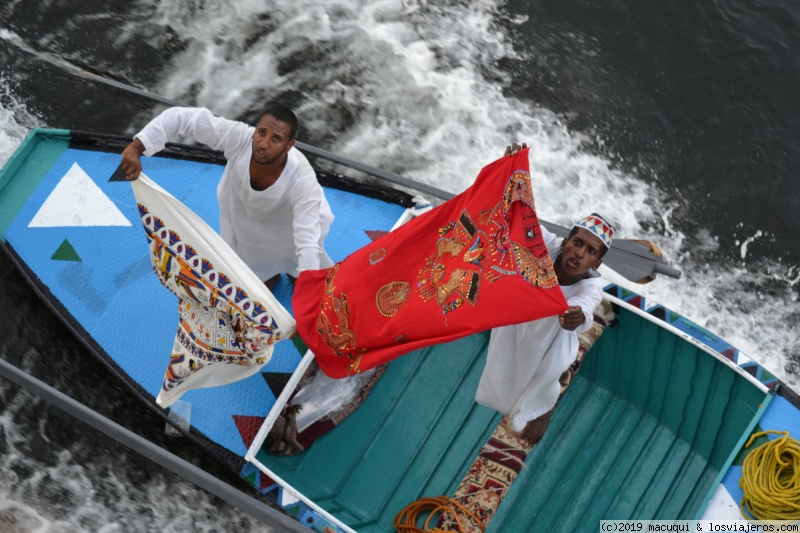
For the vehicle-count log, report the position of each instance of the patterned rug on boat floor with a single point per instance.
(502, 458)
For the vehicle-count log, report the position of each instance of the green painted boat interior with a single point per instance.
(644, 432)
(29, 165)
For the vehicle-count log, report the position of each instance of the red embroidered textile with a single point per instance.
(473, 263)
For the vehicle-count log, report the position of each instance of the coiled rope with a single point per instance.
(771, 479)
(406, 520)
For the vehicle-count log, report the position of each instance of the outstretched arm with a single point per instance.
(572, 318)
(132, 159)
(306, 205)
(583, 302)
(184, 122)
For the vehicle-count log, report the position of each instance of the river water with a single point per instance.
(677, 120)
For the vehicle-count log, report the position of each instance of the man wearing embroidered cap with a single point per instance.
(525, 361)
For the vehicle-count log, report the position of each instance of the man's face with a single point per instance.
(581, 252)
(271, 140)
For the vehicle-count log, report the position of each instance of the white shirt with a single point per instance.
(280, 229)
(524, 361)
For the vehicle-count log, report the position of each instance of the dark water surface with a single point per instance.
(700, 97)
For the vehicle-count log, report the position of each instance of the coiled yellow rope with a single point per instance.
(406, 520)
(771, 479)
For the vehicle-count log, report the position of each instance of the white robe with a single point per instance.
(524, 361)
(280, 229)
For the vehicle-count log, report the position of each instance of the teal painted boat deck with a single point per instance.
(412, 437)
(643, 433)
(26, 168)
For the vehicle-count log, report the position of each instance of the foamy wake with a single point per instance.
(15, 120)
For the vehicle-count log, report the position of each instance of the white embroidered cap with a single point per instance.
(599, 226)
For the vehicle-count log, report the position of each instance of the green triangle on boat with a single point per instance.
(66, 252)
(299, 344)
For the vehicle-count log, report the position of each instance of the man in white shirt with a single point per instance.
(273, 212)
(525, 361)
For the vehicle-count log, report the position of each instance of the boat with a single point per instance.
(652, 427)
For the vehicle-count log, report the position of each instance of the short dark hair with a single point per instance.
(574, 230)
(283, 114)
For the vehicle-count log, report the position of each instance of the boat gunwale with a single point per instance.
(689, 338)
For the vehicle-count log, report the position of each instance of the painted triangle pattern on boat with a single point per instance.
(248, 427)
(375, 234)
(259, 480)
(276, 381)
(66, 252)
(78, 201)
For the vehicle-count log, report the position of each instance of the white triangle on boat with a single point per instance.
(288, 497)
(78, 201)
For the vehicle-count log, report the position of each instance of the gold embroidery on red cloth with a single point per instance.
(492, 248)
(377, 256)
(333, 323)
(516, 251)
(355, 364)
(392, 296)
(452, 274)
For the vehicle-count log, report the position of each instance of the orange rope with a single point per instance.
(406, 520)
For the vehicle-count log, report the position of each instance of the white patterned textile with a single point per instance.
(229, 321)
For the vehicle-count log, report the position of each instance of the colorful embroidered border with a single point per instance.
(218, 282)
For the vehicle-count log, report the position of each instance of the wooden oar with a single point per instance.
(632, 259)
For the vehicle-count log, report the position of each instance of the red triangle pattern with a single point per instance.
(375, 234)
(730, 353)
(265, 482)
(248, 427)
